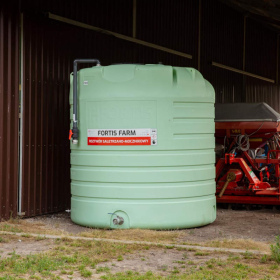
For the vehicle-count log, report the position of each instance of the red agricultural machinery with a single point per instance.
(247, 154)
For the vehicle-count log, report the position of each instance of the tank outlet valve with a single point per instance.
(118, 220)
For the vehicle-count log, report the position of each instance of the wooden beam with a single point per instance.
(242, 72)
(117, 35)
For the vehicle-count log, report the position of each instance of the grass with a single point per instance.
(102, 269)
(39, 238)
(82, 258)
(275, 250)
(10, 228)
(66, 256)
(212, 270)
(23, 226)
(2, 240)
(202, 254)
(246, 244)
(84, 272)
(169, 247)
(235, 267)
(135, 235)
(170, 237)
(120, 258)
(7, 238)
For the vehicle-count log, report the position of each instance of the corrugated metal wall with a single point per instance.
(108, 14)
(222, 42)
(174, 26)
(261, 59)
(45, 176)
(9, 96)
(49, 50)
(50, 47)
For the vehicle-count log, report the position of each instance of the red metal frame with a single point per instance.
(239, 193)
(268, 200)
(252, 188)
(257, 186)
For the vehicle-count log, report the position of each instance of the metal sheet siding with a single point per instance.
(261, 91)
(9, 98)
(222, 42)
(261, 49)
(49, 50)
(45, 179)
(111, 15)
(169, 24)
(261, 59)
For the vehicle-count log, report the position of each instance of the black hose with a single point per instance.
(75, 129)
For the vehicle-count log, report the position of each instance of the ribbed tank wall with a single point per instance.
(169, 184)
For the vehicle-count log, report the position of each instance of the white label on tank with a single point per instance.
(122, 137)
(85, 83)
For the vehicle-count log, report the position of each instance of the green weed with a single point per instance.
(275, 250)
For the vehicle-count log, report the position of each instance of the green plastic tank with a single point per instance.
(145, 156)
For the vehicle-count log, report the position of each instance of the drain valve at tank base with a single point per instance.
(118, 220)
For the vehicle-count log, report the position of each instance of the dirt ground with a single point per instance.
(160, 261)
(20, 246)
(259, 225)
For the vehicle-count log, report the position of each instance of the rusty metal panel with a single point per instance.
(9, 110)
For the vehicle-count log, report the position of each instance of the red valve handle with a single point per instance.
(70, 134)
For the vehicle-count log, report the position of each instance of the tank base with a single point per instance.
(158, 214)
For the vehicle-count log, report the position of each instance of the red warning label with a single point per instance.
(122, 137)
(119, 141)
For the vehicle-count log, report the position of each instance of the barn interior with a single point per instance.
(234, 44)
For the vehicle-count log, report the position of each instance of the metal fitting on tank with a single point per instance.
(118, 220)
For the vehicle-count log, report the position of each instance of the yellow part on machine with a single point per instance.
(230, 177)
